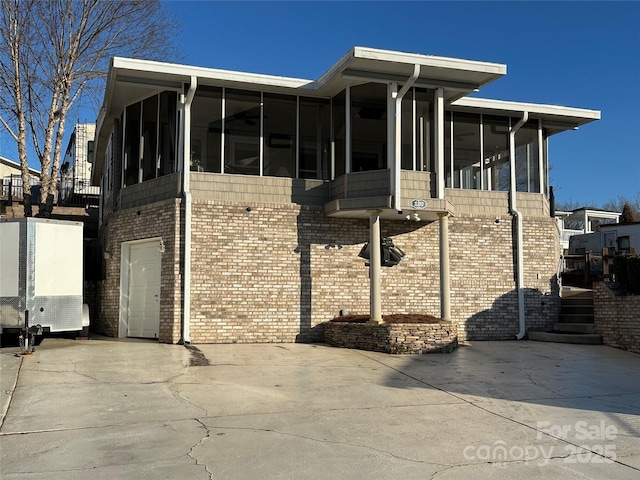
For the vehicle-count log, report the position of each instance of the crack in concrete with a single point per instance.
(330, 442)
(190, 454)
(10, 393)
(177, 394)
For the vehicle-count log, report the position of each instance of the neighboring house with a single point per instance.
(621, 238)
(11, 177)
(75, 168)
(581, 221)
(234, 205)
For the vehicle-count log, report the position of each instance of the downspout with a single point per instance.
(518, 217)
(186, 193)
(395, 173)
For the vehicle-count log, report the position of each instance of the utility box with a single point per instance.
(41, 275)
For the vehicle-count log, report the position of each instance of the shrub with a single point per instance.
(627, 271)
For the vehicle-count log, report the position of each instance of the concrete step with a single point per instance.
(576, 318)
(579, 293)
(581, 338)
(573, 328)
(572, 309)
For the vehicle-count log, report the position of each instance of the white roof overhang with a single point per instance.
(131, 80)
(555, 119)
(458, 77)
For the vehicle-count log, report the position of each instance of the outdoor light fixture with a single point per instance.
(413, 216)
(161, 247)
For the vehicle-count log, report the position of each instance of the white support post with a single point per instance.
(392, 94)
(542, 183)
(375, 267)
(439, 142)
(445, 289)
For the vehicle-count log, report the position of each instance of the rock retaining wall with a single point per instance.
(393, 338)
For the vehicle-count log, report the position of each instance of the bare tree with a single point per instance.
(618, 205)
(53, 52)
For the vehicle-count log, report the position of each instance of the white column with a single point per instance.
(375, 297)
(542, 183)
(439, 142)
(445, 290)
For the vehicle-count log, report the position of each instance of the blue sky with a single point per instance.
(577, 54)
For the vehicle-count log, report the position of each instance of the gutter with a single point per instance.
(518, 217)
(395, 173)
(186, 192)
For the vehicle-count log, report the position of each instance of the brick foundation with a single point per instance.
(276, 272)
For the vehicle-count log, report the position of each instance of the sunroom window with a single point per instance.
(417, 130)
(206, 130)
(149, 138)
(315, 138)
(496, 168)
(527, 165)
(279, 137)
(466, 151)
(243, 113)
(368, 127)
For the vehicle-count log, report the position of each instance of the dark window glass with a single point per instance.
(466, 150)
(407, 132)
(280, 119)
(527, 166)
(339, 133)
(425, 125)
(314, 138)
(206, 130)
(242, 132)
(149, 137)
(167, 142)
(132, 145)
(496, 153)
(368, 127)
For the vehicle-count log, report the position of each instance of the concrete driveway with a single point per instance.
(108, 409)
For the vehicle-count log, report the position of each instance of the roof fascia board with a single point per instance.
(428, 60)
(183, 73)
(16, 165)
(536, 108)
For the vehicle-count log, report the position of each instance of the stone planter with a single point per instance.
(396, 338)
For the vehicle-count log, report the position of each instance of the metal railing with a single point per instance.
(11, 190)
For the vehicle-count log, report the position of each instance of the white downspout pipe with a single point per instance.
(186, 192)
(395, 173)
(518, 217)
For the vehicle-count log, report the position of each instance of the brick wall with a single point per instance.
(274, 273)
(160, 219)
(484, 299)
(616, 318)
(264, 272)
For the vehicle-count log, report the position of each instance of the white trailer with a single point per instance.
(41, 276)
